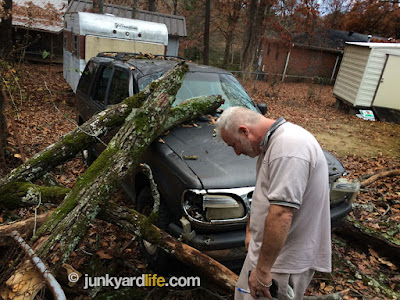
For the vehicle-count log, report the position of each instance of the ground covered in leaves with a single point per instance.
(45, 111)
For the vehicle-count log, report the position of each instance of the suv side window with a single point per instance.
(100, 88)
(87, 77)
(119, 89)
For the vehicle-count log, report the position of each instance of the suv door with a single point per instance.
(120, 87)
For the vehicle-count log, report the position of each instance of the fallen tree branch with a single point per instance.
(379, 176)
(24, 228)
(20, 194)
(355, 231)
(378, 286)
(132, 221)
(69, 223)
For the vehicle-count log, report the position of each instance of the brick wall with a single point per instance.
(302, 62)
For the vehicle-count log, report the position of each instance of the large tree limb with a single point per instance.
(355, 231)
(132, 221)
(19, 194)
(367, 279)
(69, 223)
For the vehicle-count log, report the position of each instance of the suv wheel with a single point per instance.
(157, 258)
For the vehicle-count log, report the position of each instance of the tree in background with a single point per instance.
(256, 13)
(334, 12)
(206, 49)
(227, 23)
(5, 51)
(374, 17)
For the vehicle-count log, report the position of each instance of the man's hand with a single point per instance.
(257, 290)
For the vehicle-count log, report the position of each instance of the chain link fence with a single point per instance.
(23, 275)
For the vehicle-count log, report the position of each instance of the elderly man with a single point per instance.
(288, 234)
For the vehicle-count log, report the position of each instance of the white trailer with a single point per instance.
(369, 76)
(87, 34)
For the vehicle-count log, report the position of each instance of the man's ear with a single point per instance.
(244, 130)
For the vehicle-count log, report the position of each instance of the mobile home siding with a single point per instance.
(351, 73)
(372, 75)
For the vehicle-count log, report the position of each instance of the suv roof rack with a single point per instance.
(130, 55)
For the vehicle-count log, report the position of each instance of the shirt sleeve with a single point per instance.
(288, 178)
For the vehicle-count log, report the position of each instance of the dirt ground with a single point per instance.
(45, 112)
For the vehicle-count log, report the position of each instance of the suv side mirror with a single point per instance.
(262, 107)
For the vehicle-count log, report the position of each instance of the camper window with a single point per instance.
(75, 45)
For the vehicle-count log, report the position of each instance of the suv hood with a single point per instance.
(215, 163)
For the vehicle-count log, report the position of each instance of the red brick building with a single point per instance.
(307, 57)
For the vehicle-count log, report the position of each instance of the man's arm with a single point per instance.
(277, 225)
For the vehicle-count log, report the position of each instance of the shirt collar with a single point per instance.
(271, 131)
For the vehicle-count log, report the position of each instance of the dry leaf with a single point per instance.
(103, 255)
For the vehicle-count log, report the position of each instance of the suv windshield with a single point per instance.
(198, 84)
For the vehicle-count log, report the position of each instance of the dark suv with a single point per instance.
(205, 188)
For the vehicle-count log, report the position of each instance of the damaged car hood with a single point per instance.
(215, 163)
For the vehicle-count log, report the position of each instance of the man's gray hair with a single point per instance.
(233, 117)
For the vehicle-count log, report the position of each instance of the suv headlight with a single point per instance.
(207, 207)
(343, 189)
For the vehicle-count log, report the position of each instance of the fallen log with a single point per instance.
(356, 232)
(367, 280)
(69, 223)
(133, 222)
(375, 177)
(24, 228)
(20, 194)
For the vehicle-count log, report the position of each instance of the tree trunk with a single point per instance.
(256, 13)
(357, 233)
(366, 279)
(152, 5)
(70, 221)
(6, 29)
(20, 194)
(206, 49)
(134, 8)
(233, 19)
(3, 128)
(138, 224)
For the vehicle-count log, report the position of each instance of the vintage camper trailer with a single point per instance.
(87, 34)
(369, 76)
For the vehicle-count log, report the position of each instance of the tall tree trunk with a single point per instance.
(152, 5)
(256, 12)
(134, 8)
(6, 29)
(206, 50)
(233, 19)
(98, 6)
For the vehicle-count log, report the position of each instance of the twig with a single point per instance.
(375, 177)
(36, 208)
(153, 187)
